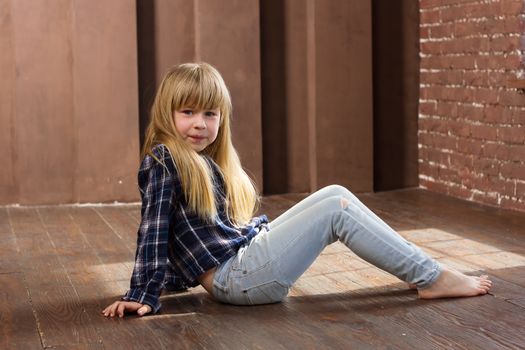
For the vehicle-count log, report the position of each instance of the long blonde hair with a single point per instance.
(200, 86)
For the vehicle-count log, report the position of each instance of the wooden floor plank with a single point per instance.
(18, 328)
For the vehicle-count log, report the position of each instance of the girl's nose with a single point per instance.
(200, 123)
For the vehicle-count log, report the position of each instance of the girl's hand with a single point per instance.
(120, 307)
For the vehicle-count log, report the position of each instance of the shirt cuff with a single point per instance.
(139, 296)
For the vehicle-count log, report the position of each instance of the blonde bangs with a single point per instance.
(200, 89)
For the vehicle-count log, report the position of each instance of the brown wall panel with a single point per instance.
(296, 93)
(233, 47)
(45, 132)
(343, 93)
(105, 101)
(69, 101)
(174, 33)
(8, 183)
(166, 37)
(396, 93)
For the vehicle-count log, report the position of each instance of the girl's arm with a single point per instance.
(147, 280)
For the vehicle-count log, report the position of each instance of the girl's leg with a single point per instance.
(263, 271)
(326, 192)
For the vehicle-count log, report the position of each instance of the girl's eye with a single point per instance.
(187, 112)
(211, 114)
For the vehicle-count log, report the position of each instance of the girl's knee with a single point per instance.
(337, 190)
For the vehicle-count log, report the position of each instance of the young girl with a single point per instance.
(197, 207)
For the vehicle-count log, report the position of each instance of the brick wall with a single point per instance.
(471, 122)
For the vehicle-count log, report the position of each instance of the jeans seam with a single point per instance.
(389, 245)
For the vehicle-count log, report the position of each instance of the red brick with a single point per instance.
(459, 128)
(497, 79)
(484, 132)
(458, 160)
(511, 98)
(424, 138)
(424, 32)
(504, 44)
(463, 62)
(512, 204)
(475, 78)
(468, 28)
(428, 170)
(513, 170)
(497, 114)
(484, 199)
(430, 17)
(512, 135)
(447, 109)
(443, 141)
(446, 174)
(442, 31)
(459, 192)
(470, 112)
(431, 48)
(436, 186)
(437, 155)
(430, 124)
(520, 190)
(496, 150)
(483, 95)
(511, 7)
(502, 186)
(428, 108)
(498, 62)
(518, 116)
(516, 153)
(487, 166)
(472, 180)
(512, 25)
(470, 146)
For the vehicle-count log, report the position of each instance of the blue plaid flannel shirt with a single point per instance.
(174, 246)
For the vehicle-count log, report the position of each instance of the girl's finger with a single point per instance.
(108, 309)
(120, 309)
(113, 308)
(144, 310)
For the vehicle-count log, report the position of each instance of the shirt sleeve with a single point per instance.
(149, 272)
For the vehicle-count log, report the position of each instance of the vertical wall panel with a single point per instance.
(228, 37)
(343, 96)
(166, 37)
(8, 184)
(105, 100)
(296, 92)
(43, 124)
(69, 101)
(396, 93)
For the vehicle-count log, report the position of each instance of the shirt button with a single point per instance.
(245, 272)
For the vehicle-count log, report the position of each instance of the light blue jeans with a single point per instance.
(264, 269)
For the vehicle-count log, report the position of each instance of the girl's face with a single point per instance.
(198, 128)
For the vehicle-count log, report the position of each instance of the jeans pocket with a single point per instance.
(267, 293)
(220, 292)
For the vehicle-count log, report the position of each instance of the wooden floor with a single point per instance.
(60, 265)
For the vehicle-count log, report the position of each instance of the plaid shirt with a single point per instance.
(174, 246)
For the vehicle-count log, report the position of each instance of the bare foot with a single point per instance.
(452, 283)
